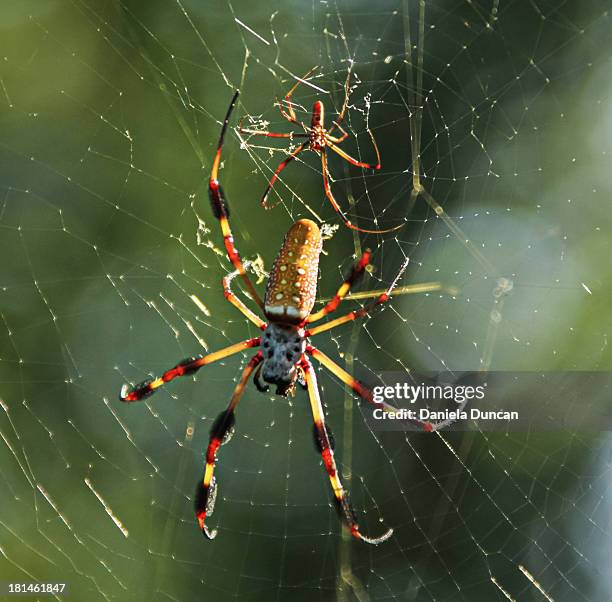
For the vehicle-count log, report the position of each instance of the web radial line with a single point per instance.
(414, 106)
(347, 458)
(161, 83)
(495, 319)
(459, 233)
(346, 579)
(415, 121)
(408, 289)
(419, 82)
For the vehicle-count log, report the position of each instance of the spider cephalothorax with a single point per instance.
(283, 347)
(285, 357)
(317, 139)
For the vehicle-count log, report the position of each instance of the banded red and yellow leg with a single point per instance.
(356, 271)
(220, 434)
(358, 313)
(184, 368)
(323, 442)
(237, 302)
(353, 315)
(361, 390)
(221, 210)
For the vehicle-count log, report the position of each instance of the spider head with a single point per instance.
(283, 346)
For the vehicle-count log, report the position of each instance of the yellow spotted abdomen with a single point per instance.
(292, 286)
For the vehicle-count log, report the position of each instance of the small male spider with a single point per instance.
(319, 139)
(286, 352)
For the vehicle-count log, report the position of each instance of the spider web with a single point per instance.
(494, 129)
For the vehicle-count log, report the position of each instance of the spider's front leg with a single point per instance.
(355, 273)
(290, 114)
(221, 433)
(324, 444)
(220, 208)
(282, 165)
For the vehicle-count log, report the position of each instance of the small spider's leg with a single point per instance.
(290, 115)
(356, 271)
(283, 164)
(237, 302)
(328, 192)
(364, 392)
(271, 134)
(324, 444)
(220, 433)
(332, 200)
(184, 368)
(350, 159)
(221, 210)
(338, 140)
(274, 134)
(347, 89)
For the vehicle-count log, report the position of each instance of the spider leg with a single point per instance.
(274, 134)
(184, 368)
(350, 317)
(328, 192)
(337, 140)
(350, 159)
(290, 115)
(283, 164)
(365, 393)
(357, 313)
(340, 118)
(237, 302)
(324, 445)
(356, 271)
(332, 200)
(271, 134)
(221, 211)
(220, 433)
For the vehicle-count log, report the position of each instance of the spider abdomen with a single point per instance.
(292, 286)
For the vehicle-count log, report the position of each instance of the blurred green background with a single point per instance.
(109, 115)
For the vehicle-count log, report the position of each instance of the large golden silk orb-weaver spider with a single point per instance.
(285, 353)
(318, 140)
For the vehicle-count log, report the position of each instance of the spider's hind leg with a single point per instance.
(324, 443)
(220, 433)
